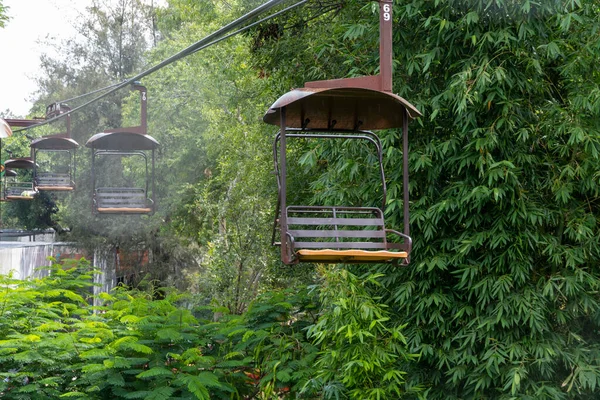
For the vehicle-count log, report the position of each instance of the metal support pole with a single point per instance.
(93, 179)
(385, 44)
(35, 171)
(282, 201)
(68, 122)
(144, 111)
(153, 184)
(405, 171)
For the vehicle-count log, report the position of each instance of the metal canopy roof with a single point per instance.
(54, 143)
(125, 141)
(19, 163)
(341, 108)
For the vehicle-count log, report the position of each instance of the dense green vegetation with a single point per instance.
(501, 297)
(153, 343)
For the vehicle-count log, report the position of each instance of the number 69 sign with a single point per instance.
(387, 12)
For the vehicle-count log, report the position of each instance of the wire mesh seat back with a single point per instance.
(120, 200)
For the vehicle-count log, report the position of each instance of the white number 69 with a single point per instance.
(387, 12)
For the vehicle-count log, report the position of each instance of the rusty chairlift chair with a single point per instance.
(124, 143)
(342, 109)
(10, 175)
(19, 190)
(54, 156)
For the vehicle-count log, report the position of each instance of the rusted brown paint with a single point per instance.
(19, 163)
(341, 108)
(386, 51)
(23, 123)
(54, 142)
(126, 141)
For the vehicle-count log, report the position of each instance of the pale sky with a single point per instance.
(30, 21)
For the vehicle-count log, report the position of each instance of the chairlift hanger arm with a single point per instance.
(361, 135)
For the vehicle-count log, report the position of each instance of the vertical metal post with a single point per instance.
(144, 112)
(405, 171)
(93, 179)
(74, 161)
(153, 184)
(68, 122)
(283, 192)
(385, 44)
(34, 154)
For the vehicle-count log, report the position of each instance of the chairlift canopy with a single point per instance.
(54, 143)
(19, 163)
(345, 108)
(122, 141)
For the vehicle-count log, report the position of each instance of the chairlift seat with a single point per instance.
(54, 181)
(113, 200)
(19, 191)
(342, 234)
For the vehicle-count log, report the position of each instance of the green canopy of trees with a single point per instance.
(501, 297)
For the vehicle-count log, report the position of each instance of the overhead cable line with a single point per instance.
(203, 43)
(89, 93)
(252, 25)
(244, 29)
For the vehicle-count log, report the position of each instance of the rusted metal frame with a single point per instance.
(143, 127)
(344, 134)
(336, 233)
(118, 197)
(278, 206)
(385, 44)
(147, 177)
(56, 109)
(406, 211)
(74, 168)
(318, 233)
(406, 246)
(129, 153)
(23, 123)
(285, 255)
(68, 122)
(153, 198)
(276, 222)
(21, 186)
(94, 203)
(33, 157)
(335, 226)
(383, 81)
(71, 163)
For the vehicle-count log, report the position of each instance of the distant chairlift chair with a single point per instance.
(342, 108)
(9, 176)
(333, 234)
(20, 190)
(124, 142)
(54, 156)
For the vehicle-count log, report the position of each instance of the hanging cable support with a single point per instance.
(197, 46)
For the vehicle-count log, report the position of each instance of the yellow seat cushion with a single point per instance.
(349, 255)
(55, 188)
(125, 210)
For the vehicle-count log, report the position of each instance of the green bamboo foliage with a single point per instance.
(501, 296)
(501, 299)
(363, 352)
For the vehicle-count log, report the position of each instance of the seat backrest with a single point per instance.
(53, 179)
(336, 228)
(19, 188)
(112, 197)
